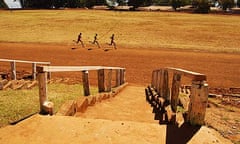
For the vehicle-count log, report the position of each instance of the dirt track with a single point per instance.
(222, 69)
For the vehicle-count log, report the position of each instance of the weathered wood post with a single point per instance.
(109, 81)
(176, 83)
(198, 102)
(117, 77)
(121, 76)
(101, 77)
(42, 84)
(49, 73)
(165, 87)
(34, 71)
(153, 79)
(85, 83)
(13, 70)
(158, 80)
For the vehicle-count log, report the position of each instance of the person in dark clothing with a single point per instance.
(80, 39)
(95, 41)
(112, 41)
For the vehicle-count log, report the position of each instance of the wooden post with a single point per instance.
(153, 77)
(158, 80)
(49, 73)
(117, 77)
(176, 83)
(165, 87)
(42, 80)
(121, 76)
(13, 70)
(198, 102)
(34, 71)
(85, 83)
(101, 86)
(161, 83)
(109, 81)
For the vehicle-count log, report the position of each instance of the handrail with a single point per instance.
(23, 61)
(13, 67)
(199, 91)
(72, 68)
(103, 85)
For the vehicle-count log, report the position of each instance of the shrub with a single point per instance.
(201, 6)
(227, 4)
(178, 3)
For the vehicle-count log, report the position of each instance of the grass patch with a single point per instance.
(132, 29)
(17, 104)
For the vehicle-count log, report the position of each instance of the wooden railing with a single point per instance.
(104, 85)
(199, 91)
(13, 67)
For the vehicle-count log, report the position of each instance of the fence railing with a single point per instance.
(14, 71)
(199, 91)
(104, 81)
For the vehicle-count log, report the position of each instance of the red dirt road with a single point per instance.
(222, 69)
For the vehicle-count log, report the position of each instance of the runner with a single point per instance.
(95, 41)
(112, 41)
(80, 39)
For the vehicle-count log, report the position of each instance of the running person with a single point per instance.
(95, 41)
(112, 41)
(80, 39)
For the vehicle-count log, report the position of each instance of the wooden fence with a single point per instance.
(104, 85)
(14, 71)
(199, 91)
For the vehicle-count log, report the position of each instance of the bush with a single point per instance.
(178, 3)
(227, 4)
(201, 6)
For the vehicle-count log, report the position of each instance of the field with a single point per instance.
(208, 44)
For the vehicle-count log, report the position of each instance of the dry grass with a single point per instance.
(132, 29)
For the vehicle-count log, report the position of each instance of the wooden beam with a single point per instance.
(117, 77)
(165, 87)
(193, 75)
(176, 83)
(198, 102)
(101, 80)
(71, 68)
(22, 61)
(42, 83)
(86, 89)
(109, 81)
(13, 70)
(34, 71)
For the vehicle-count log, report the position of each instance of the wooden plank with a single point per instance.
(117, 77)
(101, 77)
(86, 88)
(109, 81)
(198, 103)
(13, 70)
(42, 83)
(193, 75)
(165, 87)
(23, 61)
(72, 68)
(121, 76)
(176, 83)
(34, 71)
(153, 78)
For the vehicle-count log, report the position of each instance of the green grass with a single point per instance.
(17, 104)
(132, 29)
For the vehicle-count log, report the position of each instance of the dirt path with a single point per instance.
(122, 119)
(129, 105)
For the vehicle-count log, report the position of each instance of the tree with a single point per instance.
(201, 6)
(227, 4)
(138, 3)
